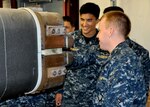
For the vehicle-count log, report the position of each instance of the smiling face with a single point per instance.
(88, 24)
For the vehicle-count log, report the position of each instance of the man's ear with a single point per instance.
(111, 31)
(73, 28)
(97, 21)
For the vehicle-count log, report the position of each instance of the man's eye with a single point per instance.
(82, 19)
(89, 20)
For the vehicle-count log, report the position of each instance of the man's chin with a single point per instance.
(85, 31)
(101, 47)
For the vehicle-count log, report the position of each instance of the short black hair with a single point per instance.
(113, 8)
(91, 8)
(69, 19)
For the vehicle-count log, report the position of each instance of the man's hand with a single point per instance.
(58, 99)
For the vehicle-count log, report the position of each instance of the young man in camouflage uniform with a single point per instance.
(141, 52)
(80, 82)
(121, 82)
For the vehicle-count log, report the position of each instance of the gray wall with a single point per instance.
(54, 6)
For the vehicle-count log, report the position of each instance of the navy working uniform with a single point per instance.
(121, 82)
(80, 82)
(143, 54)
(43, 99)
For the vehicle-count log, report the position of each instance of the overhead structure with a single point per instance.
(113, 2)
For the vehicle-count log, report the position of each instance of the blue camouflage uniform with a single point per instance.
(81, 60)
(143, 54)
(80, 82)
(121, 82)
(43, 99)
